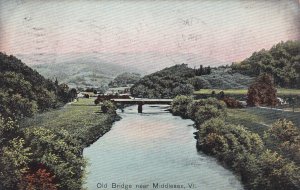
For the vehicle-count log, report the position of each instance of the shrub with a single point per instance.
(232, 103)
(207, 112)
(40, 179)
(284, 137)
(179, 105)
(58, 152)
(195, 105)
(108, 107)
(97, 101)
(14, 159)
(277, 173)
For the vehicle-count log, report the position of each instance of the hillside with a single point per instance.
(23, 91)
(182, 80)
(282, 61)
(77, 70)
(125, 79)
(225, 78)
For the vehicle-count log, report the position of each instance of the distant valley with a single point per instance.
(98, 69)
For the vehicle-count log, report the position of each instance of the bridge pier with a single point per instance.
(140, 107)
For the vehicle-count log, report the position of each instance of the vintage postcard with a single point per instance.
(149, 95)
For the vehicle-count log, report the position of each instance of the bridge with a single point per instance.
(141, 101)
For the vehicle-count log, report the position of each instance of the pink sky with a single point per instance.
(224, 30)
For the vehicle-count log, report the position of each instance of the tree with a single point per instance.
(207, 112)
(14, 159)
(108, 107)
(262, 92)
(72, 94)
(40, 179)
(180, 104)
(280, 62)
(284, 136)
(277, 173)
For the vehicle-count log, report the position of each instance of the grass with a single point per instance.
(81, 119)
(259, 120)
(280, 91)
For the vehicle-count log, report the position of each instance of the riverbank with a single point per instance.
(238, 148)
(57, 139)
(82, 120)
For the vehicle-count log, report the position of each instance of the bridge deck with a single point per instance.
(143, 100)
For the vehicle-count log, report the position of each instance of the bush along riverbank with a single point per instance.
(45, 152)
(246, 153)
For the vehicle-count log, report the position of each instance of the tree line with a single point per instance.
(282, 62)
(23, 91)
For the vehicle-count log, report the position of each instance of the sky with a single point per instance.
(228, 30)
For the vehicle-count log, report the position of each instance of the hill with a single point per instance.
(125, 79)
(282, 61)
(183, 80)
(225, 78)
(23, 91)
(77, 70)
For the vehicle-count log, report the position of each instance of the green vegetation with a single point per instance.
(24, 91)
(50, 145)
(280, 91)
(108, 107)
(125, 79)
(284, 137)
(282, 62)
(43, 150)
(166, 83)
(182, 80)
(258, 119)
(244, 150)
(224, 78)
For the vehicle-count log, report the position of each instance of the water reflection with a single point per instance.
(153, 147)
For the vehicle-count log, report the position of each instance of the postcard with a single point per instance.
(150, 95)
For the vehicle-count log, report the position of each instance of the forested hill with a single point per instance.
(183, 80)
(282, 61)
(125, 79)
(23, 91)
(165, 83)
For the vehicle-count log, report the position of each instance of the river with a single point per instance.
(153, 148)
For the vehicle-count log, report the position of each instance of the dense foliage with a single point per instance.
(108, 107)
(24, 91)
(282, 61)
(262, 92)
(224, 78)
(39, 157)
(284, 137)
(166, 83)
(244, 151)
(182, 80)
(125, 79)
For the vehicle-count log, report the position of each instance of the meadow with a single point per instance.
(83, 120)
(258, 120)
(280, 91)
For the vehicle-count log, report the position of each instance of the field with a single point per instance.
(280, 91)
(259, 119)
(81, 119)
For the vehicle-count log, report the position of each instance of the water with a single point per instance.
(153, 147)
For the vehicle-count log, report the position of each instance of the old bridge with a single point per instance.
(141, 101)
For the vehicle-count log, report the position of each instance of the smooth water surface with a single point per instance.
(153, 147)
